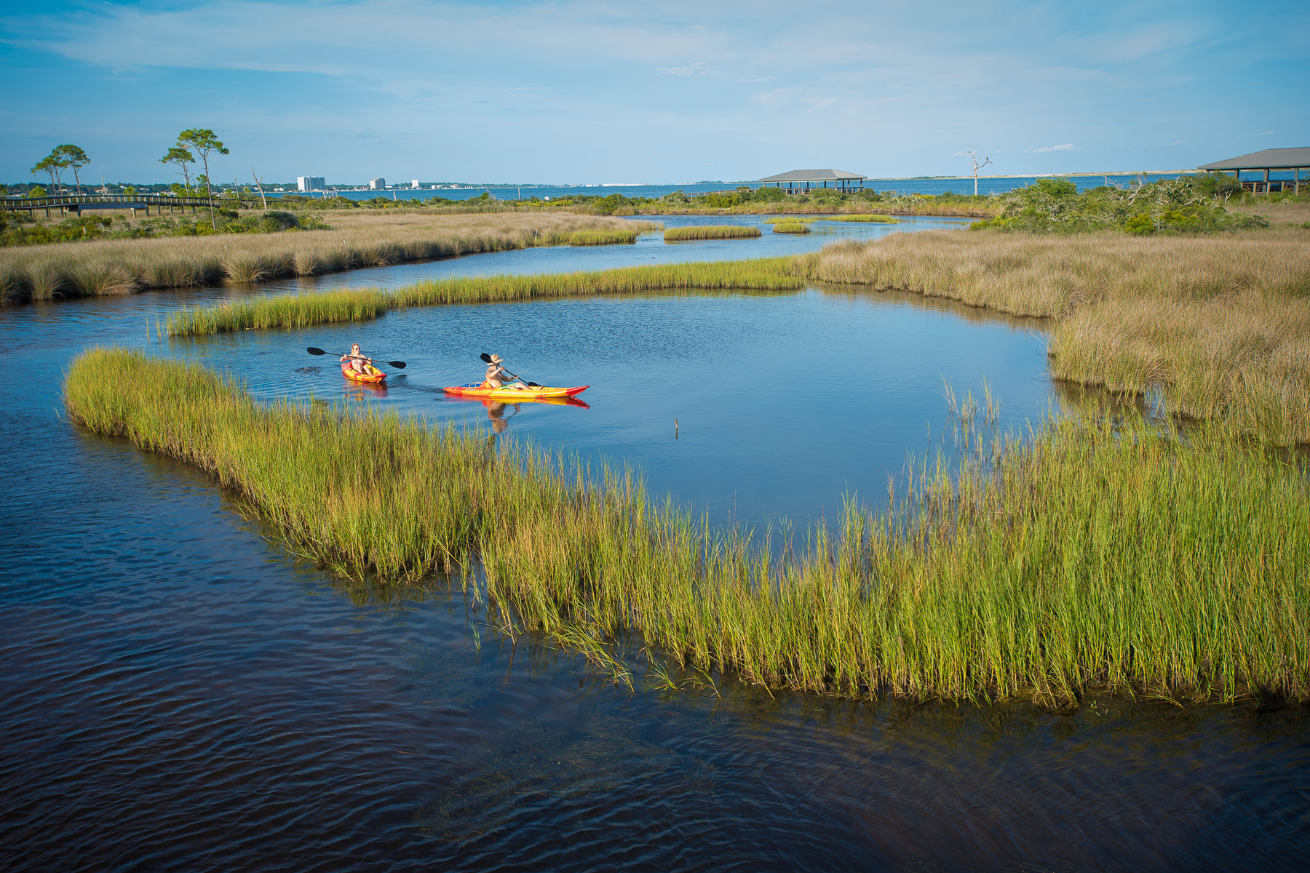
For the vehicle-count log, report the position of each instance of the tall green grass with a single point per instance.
(1090, 556)
(602, 237)
(870, 218)
(711, 231)
(301, 310)
(791, 227)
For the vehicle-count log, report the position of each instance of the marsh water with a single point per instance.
(179, 693)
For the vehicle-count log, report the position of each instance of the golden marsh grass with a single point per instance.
(105, 267)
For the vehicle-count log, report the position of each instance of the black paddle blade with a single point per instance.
(486, 358)
(399, 365)
(314, 351)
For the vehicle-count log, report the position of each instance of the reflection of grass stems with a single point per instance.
(596, 653)
(1095, 556)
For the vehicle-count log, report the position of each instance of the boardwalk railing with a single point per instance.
(79, 202)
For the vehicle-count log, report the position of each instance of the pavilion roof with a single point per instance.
(1269, 159)
(814, 176)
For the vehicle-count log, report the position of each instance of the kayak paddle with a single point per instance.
(399, 365)
(486, 359)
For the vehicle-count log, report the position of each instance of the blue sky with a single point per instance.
(656, 92)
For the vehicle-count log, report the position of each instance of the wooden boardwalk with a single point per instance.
(78, 203)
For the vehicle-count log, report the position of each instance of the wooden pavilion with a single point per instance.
(814, 179)
(1267, 160)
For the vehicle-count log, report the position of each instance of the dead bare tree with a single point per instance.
(260, 186)
(973, 156)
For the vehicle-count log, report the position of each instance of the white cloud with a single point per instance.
(880, 96)
(697, 69)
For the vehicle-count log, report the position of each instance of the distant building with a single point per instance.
(415, 184)
(310, 183)
(378, 184)
(801, 181)
(1266, 161)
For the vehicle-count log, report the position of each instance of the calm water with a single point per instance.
(649, 249)
(178, 694)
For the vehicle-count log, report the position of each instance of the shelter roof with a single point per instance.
(1269, 159)
(813, 176)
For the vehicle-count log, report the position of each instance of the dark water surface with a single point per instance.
(176, 693)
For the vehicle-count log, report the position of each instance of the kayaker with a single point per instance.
(498, 378)
(358, 361)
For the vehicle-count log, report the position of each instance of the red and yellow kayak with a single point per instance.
(513, 394)
(371, 373)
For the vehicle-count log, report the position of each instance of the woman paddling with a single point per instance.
(497, 377)
(358, 361)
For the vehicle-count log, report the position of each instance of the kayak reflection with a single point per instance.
(364, 391)
(496, 408)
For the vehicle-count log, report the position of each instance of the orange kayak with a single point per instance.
(513, 394)
(372, 374)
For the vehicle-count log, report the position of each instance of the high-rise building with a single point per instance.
(415, 184)
(378, 184)
(310, 183)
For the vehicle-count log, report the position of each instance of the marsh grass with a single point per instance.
(1090, 556)
(301, 310)
(1220, 324)
(1279, 212)
(602, 237)
(106, 267)
(711, 231)
(791, 227)
(791, 219)
(868, 219)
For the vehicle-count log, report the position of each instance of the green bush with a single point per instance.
(607, 205)
(275, 221)
(1168, 206)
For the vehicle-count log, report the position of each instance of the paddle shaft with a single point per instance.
(399, 365)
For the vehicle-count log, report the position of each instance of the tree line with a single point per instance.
(193, 142)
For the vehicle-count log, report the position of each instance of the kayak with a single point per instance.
(373, 374)
(539, 393)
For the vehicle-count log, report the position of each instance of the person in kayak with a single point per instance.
(359, 362)
(498, 378)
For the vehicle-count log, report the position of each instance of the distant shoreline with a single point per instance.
(502, 185)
